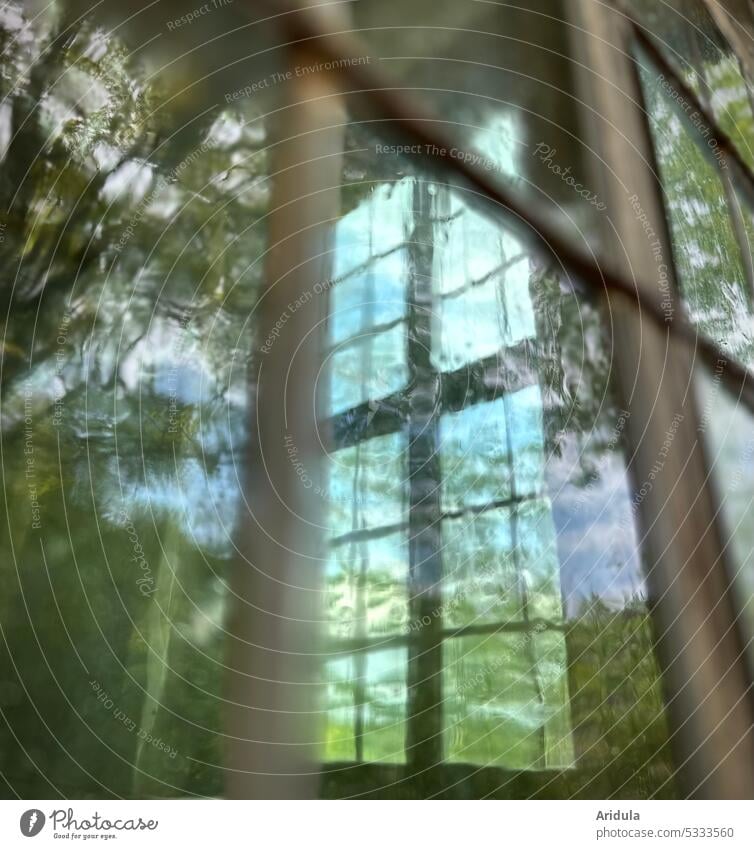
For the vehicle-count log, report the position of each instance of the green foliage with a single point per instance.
(132, 262)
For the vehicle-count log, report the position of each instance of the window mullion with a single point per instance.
(424, 732)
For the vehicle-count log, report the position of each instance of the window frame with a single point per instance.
(696, 615)
(697, 618)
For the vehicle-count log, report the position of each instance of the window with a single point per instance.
(465, 500)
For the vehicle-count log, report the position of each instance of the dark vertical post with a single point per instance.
(424, 748)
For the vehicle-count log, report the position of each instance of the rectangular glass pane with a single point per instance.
(366, 587)
(506, 698)
(366, 299)
(481, 278)
(366, 698)
(728, 427)
(367, 485)
(516, 489)
(702, 210)
(476, 462)
(707, 61)
(483, 575)
(367, 370)
(484, 620)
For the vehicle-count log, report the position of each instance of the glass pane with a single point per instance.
(727, 424)
(476, 462)
(706, 61)
(367, 485)
(366, 581)
(373, 229)
(368, 369)
(351, 314)
(700, 204)
(507, 701)
(366, 698)
(483, 579)
(482, 279)
(122, 513)
(516, 492)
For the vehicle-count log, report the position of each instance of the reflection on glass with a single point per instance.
(694, 45)
(707, 253)
(351, 315)
(507, 699)
(495, 456)
(367, 484)
(450, 57)
(482, 580)
(476, 466)
(366, 698)
(731, 101)
(367, 369)
(368, 301)
(366, 582)
(481, 280)
(501, 568)
(124, 386)
(727, 425)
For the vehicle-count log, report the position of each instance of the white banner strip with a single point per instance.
(379, 824)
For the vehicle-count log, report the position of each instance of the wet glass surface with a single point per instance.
(485, 616)
(712, 258)
(503, 535)
(694, 45)
(726, 425)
